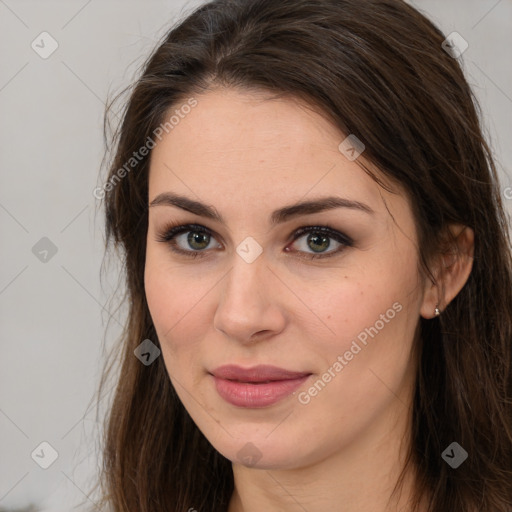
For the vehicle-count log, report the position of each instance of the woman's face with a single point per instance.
(252, 295)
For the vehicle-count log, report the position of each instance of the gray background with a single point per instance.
(53, 314)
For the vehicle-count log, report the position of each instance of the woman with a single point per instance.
(318, 269)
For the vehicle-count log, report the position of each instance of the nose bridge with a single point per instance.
(248, 266)
(244, 282)
(246, 304)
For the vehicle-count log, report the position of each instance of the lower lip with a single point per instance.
(244, 394)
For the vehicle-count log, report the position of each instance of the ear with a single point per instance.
(451, 270)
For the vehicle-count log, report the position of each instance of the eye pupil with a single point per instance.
(318, 240)
(195, 237)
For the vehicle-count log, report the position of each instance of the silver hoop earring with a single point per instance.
(436, 311)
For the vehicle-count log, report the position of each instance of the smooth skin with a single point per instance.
(247, 155)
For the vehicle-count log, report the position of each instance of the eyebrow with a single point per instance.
(278, 216)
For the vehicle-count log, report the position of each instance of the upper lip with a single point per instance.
(260, 373)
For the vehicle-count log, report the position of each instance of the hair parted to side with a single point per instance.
(376, 69)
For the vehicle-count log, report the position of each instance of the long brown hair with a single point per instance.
(376, 69)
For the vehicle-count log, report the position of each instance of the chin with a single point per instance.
(260, 451)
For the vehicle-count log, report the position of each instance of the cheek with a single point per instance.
(169, 293)
(359, 299)
(371, 313)
(176, 302)
(366, 364)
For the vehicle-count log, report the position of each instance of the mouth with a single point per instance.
(256, 387)
(256, 374)
(253, 382)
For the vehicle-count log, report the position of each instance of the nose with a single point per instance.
(250, 306)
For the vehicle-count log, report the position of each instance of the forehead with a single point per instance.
(245, 148)
(247, 126)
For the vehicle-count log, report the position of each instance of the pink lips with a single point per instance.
(258, 386)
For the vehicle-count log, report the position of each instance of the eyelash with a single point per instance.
(172, 230)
